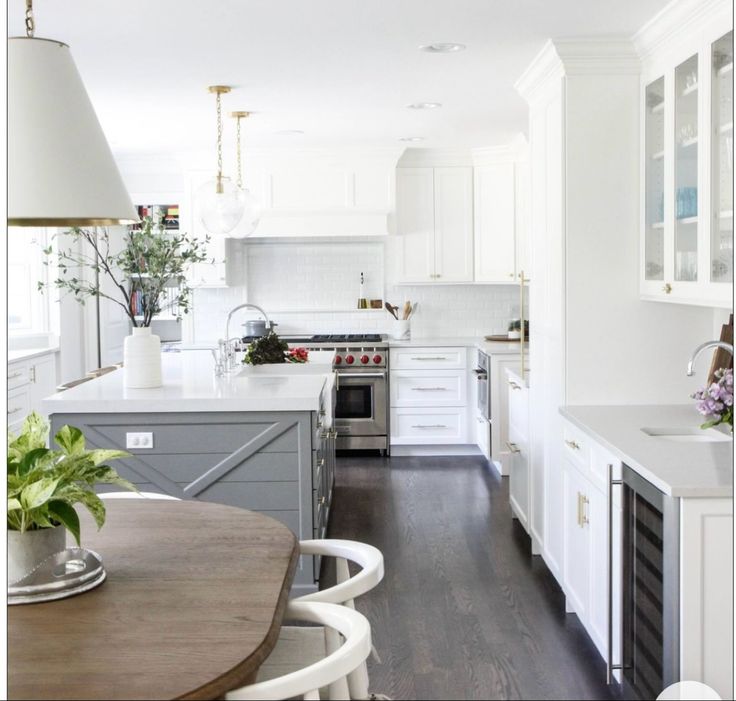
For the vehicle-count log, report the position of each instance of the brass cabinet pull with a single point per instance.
(667, 288)
(433, 357)
(583, 511)
(430, 389)
(573, 445)
(429, 426)
(579, 510)
(14, 375)
(513, 447)
(16, 410)
(514, 385)
(32, 373)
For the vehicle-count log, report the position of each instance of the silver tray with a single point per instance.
(66, 573)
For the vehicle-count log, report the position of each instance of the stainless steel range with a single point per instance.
(361, 364)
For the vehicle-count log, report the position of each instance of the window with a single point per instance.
(28, 309)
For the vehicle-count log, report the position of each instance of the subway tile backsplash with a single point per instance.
(313, 287)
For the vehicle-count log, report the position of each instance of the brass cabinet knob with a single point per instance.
(667, 288)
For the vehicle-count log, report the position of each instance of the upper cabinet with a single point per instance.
(687, 169)
(434, 217)
(460, 223)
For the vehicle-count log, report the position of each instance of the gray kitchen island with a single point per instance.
(261, 441)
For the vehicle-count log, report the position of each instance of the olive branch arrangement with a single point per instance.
(153, 260)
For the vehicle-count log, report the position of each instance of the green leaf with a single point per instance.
(31, 459)
(66, 515)
(13, 504)
(38, 493)
(100, 456)
(95, 506)
(70, 440)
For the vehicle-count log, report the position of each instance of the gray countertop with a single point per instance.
(679, 469)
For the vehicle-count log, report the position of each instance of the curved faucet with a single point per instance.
(225, 343)
(704, 346)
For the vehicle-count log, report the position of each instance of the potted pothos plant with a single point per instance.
(45, 485)
(145, 277)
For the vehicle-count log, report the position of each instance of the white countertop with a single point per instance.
(189, 384)
(489, 347)
(28, 353)
(679, 469)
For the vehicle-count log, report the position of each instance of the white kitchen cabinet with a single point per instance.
(428, 388)
(29, 382)
(501, 366)
(429, 396)
(434, 213)
(577, 563)
(516, 448)
(495, 221)
(687, 165)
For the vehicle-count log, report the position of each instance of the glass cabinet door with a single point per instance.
(686, 170)
(654, 176)
(721, 235)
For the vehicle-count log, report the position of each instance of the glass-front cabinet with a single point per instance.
(687, 171)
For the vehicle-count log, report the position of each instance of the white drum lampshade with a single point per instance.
(61, 171)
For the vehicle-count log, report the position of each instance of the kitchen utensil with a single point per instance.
(391, 310)
(407, 311)
(413, 309)
(376, 304)
(258, 327)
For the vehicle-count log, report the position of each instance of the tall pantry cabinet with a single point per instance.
(593, 340)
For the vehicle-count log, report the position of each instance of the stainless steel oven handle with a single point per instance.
(362, 374)
(610, 667)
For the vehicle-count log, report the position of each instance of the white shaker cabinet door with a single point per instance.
(576, 570)
(494, 223)
(453, 224)
(415, 223)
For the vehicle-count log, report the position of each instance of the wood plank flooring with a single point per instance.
(465, 611)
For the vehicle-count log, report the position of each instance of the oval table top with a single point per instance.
(192, 605)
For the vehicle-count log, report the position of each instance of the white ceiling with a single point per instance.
(342, 71)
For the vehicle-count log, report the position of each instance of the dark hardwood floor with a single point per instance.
(464, 611)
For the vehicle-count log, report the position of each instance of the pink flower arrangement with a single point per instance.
(715, 402)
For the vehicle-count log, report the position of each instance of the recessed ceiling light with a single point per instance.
(289, 132)
(443, 47)
(411, 138)
(424, 105)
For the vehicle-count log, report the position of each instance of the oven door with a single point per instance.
(361, 404)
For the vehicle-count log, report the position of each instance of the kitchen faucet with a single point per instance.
(226, 347)
(704, 346)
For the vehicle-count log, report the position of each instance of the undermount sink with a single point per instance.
(688, 435)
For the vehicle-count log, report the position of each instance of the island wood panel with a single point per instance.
(262, 461)
(191, 607)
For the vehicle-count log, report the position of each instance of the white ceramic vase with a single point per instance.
(28, 550)
(142, 359)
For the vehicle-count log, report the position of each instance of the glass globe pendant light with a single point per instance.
(251, 205)
(219, 201)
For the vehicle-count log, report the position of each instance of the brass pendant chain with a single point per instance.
(30, 23)
(240, 169)
(219, 140)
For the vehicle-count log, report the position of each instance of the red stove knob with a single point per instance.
(338, 359)
(364, 359)
(349, 359)
(377, 359)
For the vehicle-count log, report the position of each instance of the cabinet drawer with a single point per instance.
(575, 445)
(519, 408)
(427, 358)
(18, 375)
(434, 426)
(428, 388)
(19, 404)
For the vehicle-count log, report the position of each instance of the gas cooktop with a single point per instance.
(329, 339)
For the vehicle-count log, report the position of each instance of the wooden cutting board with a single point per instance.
(722, 358)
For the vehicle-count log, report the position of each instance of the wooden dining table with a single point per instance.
(192, 604)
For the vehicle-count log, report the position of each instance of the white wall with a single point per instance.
(313, 287)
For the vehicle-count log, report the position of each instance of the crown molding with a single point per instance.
(514, 151)
(613, 55)
(678, 19)
(435, 157)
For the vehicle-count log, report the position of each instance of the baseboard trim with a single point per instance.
(438, 450)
